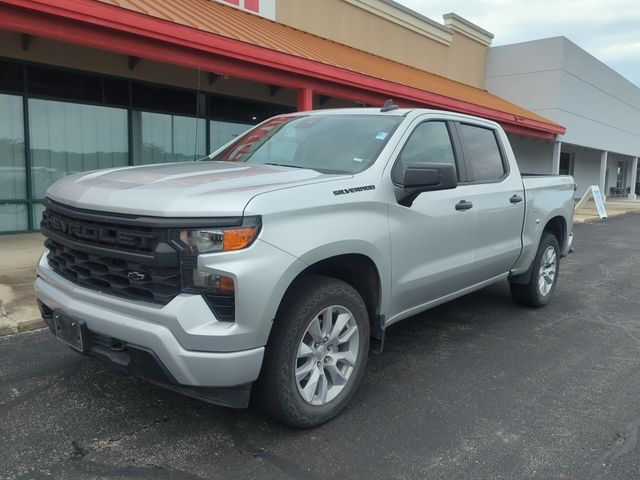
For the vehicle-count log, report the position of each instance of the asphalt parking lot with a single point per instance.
(479, 388)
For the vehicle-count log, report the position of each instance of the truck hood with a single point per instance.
(194, 189)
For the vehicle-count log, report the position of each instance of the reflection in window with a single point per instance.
(13, 183)
(13, 217)
(161, 138)
(484, 159)
(12, 163)
(223, 132)
(327, 143)
(68, 138)
(36, 211)
(428, 143)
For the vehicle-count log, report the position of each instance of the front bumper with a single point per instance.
(151, 328)
(144, 363)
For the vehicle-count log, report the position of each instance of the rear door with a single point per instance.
(432, 240)
(497, 195)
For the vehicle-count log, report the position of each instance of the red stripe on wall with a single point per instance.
(233, 2)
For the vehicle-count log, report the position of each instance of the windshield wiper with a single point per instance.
(284, 165)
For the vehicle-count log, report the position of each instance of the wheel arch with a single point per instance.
(358, 270)
(557, 226)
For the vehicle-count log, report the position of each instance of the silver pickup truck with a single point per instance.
(276, 262)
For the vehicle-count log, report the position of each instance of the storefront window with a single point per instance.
(231, 117)
(223, 132)
(76, 121)
(68, 138)
(162, 138)
(13, 217)
(620, 176)
(78, 86)
(12, 162)
(13, 185)
(11, 76)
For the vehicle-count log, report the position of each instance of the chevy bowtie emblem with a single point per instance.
(137, 276)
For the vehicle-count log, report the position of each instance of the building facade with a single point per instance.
(89, 84)
(599, 108)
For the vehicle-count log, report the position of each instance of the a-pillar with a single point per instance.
(631, 180)
(305, 99)
(603, 173)
(555, 166)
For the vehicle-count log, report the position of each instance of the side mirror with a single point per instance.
(426, 177)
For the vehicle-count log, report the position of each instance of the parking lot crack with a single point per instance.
(602, 321)
(623, 444)
(245, 447)
(7, 406)
(78, 451)
(141, 429)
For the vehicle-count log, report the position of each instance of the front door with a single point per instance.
(432, 240)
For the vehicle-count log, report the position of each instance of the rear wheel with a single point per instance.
(316, 354)
(544, 275)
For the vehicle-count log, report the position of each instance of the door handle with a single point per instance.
(515, 199)
(464, 205)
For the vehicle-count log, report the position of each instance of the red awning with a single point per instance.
(221, 39)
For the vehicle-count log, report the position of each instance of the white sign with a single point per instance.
(593, 192)
(264, 8)
(597, 196)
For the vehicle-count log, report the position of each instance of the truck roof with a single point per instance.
(363, 111)
(399, 112)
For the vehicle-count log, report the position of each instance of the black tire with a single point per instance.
(529, 294)
(276, 390)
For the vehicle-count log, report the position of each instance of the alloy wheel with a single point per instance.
(548, 267)
(326, 355)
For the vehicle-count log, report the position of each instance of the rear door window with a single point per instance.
(482, 153)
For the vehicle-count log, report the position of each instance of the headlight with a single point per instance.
(219, 239)
(217, 289)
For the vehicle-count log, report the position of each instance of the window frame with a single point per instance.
(461, 168)
(466, 154)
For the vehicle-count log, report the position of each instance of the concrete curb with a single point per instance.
(8, 326)
(18, 308)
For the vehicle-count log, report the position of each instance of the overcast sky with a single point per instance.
(607, 29)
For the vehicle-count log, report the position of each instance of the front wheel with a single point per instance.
(316, 353)
(544, 275)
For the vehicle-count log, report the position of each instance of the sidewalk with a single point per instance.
(615, 207)
(18, 257)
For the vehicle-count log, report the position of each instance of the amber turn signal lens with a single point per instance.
(225, 285)
(238, 238)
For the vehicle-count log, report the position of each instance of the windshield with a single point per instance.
(326, 143)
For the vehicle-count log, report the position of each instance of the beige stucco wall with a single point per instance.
(338, 20)
(466, 61)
